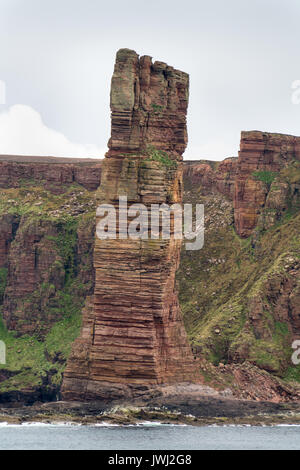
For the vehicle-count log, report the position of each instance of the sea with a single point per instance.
(147, 436)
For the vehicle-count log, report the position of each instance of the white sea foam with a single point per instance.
(141, 424)
(105, 425)
(287, 425)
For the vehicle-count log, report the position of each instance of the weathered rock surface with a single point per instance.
(54, 175)
(132, 335)
(248, 180)
(148, 105)
(211, 176)
(195, 407)
(264, 153)
(249, 382)
(38, 268)
(8, 228)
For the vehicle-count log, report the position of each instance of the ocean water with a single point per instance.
(149, 436)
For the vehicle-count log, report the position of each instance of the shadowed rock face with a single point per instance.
(8, 225)
(133, 335)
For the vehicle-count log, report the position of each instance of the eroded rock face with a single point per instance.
(53, 175)
(148, 105)
(263, 153)
(38, 270)
(212, 177)
(132, 335)
(8, 227)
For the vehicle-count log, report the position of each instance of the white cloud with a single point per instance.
(22, 132)
(214, 150)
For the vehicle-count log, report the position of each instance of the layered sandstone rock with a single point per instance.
(262, 154)
(132, 335)
(248, 180)
(212, 176)
(148, 105)
(54, 175)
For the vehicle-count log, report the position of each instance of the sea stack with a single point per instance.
(133, 337)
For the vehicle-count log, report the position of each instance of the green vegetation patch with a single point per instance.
(31, 363)
(67, 244)
(265, 176)
(157, 108)
(3, 277)
(160, 156)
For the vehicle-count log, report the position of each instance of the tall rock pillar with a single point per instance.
(133, 336)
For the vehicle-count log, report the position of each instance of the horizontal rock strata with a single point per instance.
(133, 335)
(53, 175)
(259, 152)
(212, 176)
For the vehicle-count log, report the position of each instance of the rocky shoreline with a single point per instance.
(195, 411)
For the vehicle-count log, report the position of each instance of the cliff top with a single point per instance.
(261, 135)
(42, 159)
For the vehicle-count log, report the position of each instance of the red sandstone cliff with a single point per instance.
(54, 175)
(260, 153)
(247, 180)
(212, 176)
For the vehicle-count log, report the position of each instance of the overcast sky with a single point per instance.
(57, 56)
